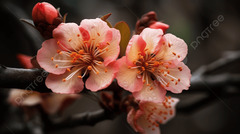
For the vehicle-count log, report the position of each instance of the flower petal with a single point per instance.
(144, 126)
(152, 37)
(154, 93)
(45, 54)
(103, 78)
(127, 78)
(57, 84)
(136, 45)
(175, 48)
(97, 28)
(113, 39)
(178, 78)
(68, 35)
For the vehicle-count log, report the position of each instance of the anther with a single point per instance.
(79, 77)
(178, 56)
(169, 45)
(167, 84)
(89, 67)
(81, 52)
(78, 35)
(98, 34)
(143, 68)
(52, 58)
(105, 70)
(180, 68)
(174, 53)
(63, 80)
(69, 40)
(146, 64)
(56, 65)
(68, 69)
(97, 72)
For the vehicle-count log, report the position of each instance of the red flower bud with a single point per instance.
(159, 25)
(150, 20)
(44, 12)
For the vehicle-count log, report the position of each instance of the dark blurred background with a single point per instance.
(187, 20)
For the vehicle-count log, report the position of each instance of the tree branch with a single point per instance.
(88, 118)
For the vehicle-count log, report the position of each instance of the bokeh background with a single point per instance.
(187, 20)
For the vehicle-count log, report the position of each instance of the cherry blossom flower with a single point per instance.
(44, 12)
(153, 65)
(149, 115)
(76, 52)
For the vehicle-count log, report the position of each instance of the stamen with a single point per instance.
(63, 80)
(52, 58)
(70, 40)
(174, 53)
(98, 34)
(56, 65)
(89, 67)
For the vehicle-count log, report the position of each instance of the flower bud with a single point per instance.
(44, 12)
(159, 25)
(150, 20)
(46, 18)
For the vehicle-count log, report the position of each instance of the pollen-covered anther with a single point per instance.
(52, 58)
(98, 34)
(167, 85)
(178, 79)
(174, 53)
(63, 80)
(151, 88)
(178, 56)
(176, 83)
(138, 72)
(56, 65)
(169, 45)
(105, 70)
(70, 40)
(89, 67)
(97, 72)
(81, 51)
(156, 63)
(59, 51)
(180, 68)
(143, 81)
(148, 84)
(146, 64)
(152, 69)
(78, 35)
(68, 69)
(143, 68)
(129, 67)
(108, 43)
(79, 76)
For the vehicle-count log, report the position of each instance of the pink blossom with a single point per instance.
(149, 115)
(44, 12)
(153, 65)
(76, 52)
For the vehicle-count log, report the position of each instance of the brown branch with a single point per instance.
(88, 118)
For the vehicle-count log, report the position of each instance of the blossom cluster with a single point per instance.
(87, 55)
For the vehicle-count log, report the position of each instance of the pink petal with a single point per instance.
(159, 25)
(85, 34)
(97, 28)
(57, 85)
(45, 54)
(102, 80)
(175, 48)
(154, 93)
(182, 76)
(152, 37)
(113, 38)
(144, 126)
(127, 78)
(131, 119)
(68, 35)
(136, 45)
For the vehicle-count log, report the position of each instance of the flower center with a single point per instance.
(84, 59)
